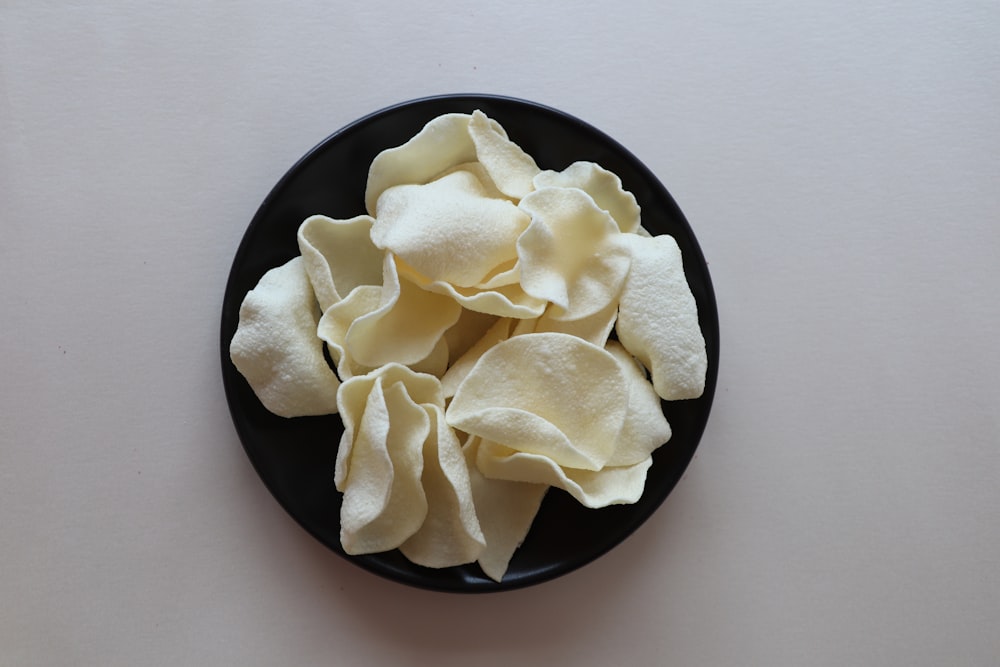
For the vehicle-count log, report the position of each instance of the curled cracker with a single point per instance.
(449, 229)
(550, 394)
(595, 328)
(339, 255)
(658, 318)
(444, 142)
(384, 502)
(509, 167)
(602, 185)
(506, 300)
(407, 325)
(506, 511)
(614, 485)
(568, 254)
(276, 347)
(645, 428)
(450, 534)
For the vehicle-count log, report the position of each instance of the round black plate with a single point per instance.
(295, 457)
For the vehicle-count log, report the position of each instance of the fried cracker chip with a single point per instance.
(352, 398)
(407, 325)
(490, 188)
(509, 167)
(449, 230)
(276, 347)
(339, 256)
(645, 428)
(337, 321)
(622, 478)
(568, 253)
(449, 141)
(384, 502)
(505, 510)
(502, 276)
(508, 300)
(549, 394)
(450, 534)
(594, 328)
(658, 318)
(442, 144)
(613, 485)
(602, 185)
(402, 472)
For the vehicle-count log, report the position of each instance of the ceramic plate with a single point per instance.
(295, 457)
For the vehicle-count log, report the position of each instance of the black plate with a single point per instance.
(295, 457)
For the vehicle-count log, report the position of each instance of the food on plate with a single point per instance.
(496, 330)
(571, 255)
(402, 471)
(553, 409)
(658, 318)
(276, 348)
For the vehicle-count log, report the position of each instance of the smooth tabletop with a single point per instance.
(839, 164)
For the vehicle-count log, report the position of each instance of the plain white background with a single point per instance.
(840, 164)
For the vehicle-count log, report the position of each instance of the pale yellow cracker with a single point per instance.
(449, 229)
(443, 143)
(450, 534)
(276, 348)
(407, 325)
(505, 510)
(509, 167)
(384, 501)
(613, 485)
(594, 328)
(339, 255)
(658, 318)
(645, 428)
(568, 254)
(550, 394)
(602, 185)
(507, 300)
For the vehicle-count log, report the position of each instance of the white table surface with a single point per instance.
(840, 164)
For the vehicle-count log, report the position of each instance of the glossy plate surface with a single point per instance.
(295, 457)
